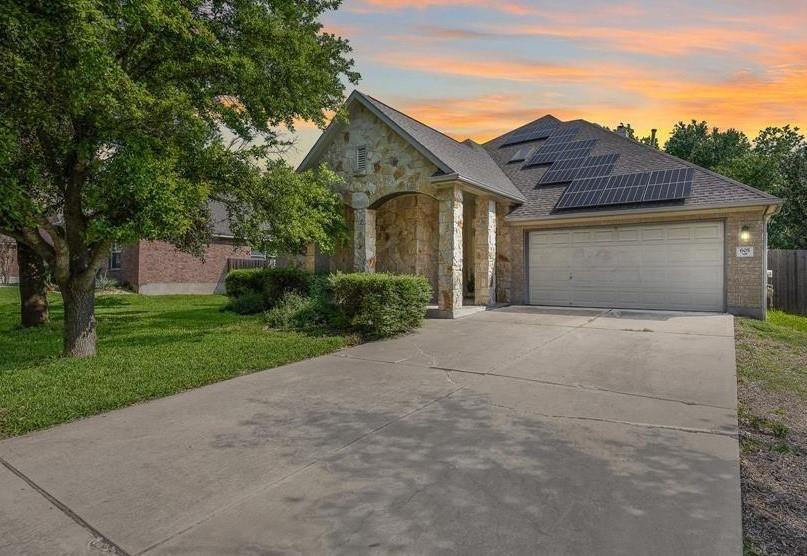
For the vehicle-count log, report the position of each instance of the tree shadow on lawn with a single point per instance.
(464, 476)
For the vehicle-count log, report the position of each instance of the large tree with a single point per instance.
(705, 147)
(777, 163)
(111, 124)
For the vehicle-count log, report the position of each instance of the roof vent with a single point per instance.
(360, 162)
(622, 130)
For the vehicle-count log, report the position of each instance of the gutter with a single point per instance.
(454, 176)
(771, 207)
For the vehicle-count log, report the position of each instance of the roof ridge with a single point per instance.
(547, 115)
(677, 159)
(411, 118)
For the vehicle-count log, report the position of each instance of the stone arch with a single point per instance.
(407, 234)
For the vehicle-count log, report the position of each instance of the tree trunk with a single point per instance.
(33, 287)
(79, 319)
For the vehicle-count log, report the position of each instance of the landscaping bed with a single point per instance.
(148, 347)
(772, 393)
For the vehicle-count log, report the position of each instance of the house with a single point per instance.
(157, 267)
(561, 213)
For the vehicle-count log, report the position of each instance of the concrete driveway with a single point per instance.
(515, 431)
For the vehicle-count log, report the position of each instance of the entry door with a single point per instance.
(661, 266)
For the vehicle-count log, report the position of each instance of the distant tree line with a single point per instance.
(775, 162)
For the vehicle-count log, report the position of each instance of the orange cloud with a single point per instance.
(510, 70)
(507, 7)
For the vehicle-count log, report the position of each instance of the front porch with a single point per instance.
(450, 237)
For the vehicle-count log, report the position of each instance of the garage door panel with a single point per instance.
(677, 266)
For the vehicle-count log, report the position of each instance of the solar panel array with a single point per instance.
(520, 155)
(579, 168)
(541, 131)
(548, 154)
(644, 187)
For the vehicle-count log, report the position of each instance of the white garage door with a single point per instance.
(664, 266)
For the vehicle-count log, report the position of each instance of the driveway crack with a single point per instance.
(100, 541)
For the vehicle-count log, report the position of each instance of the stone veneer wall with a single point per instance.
(504, 270)
(406, 236)
(393, 165)
(745, 277)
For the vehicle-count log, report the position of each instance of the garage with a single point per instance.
(657, 266)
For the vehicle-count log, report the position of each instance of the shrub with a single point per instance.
(294, 312)
(248, 303)
(268, 284)
(379, 305)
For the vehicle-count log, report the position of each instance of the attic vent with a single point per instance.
(360, 164)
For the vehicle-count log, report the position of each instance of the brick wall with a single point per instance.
(164, 269)
(745, 276)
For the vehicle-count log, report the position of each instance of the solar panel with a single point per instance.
(549, 153)
(579, 168)
(541, 131)
(659, 185)
(520, 155)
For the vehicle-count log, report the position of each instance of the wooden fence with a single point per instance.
(233, 264)
(789, 279)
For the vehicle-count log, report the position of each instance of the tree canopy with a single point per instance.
(775, 162)
(112, 121)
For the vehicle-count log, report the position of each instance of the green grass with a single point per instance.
(148, 347)
(773, 353)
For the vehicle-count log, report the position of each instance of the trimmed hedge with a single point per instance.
(252, 290)
(378, 304)
(375, 305)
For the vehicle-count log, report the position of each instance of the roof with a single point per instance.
(466, 161)
(487, 166)
(708, 188)
(219, 220)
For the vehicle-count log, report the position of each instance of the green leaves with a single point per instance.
(776, 162)
(123, 103)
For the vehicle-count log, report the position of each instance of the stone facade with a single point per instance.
(485, 251)
(364, 234)
(504, 272)
(406, 237)
(393, 165)
(449, 273)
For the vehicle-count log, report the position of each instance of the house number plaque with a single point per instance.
(745, 251)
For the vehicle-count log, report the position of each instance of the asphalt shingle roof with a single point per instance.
(708, 188)
(468, 159)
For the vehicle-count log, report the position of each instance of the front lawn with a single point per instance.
(148, 347)
(772, 392)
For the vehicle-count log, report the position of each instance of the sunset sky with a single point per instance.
(474, 68)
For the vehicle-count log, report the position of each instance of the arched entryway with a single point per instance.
(407, 235)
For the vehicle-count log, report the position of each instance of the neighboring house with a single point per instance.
(156, 267)
(552, 213)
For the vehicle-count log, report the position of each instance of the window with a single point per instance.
(115, 257)
(361, 160)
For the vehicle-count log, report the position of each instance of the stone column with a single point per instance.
(364, 240)
(485, 251)
(449, 273)
(504, 275)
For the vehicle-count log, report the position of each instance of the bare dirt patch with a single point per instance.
(772, 381)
